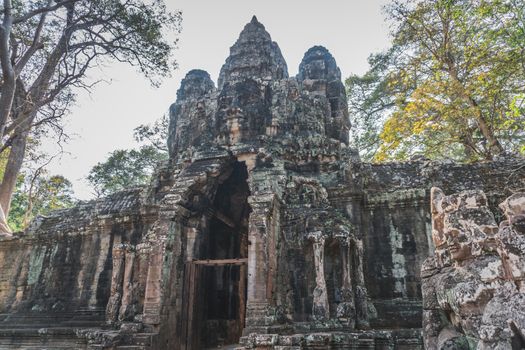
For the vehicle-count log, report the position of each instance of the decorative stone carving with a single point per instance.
(117, 278)
(320, 309)
(346, 308)
(464, 298)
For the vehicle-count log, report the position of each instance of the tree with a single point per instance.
(48, 46)
(36, 192)
(369, 100)
(154, 134)
(39, 194)
(455, 73)
(124, 169)
(130, 168)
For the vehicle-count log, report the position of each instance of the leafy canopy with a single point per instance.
(124, 169)
(39, 196)
(450, 86)
(130, 168)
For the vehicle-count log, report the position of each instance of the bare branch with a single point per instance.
(35, 45)
(43, 10)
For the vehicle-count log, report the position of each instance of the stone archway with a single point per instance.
(215, 279)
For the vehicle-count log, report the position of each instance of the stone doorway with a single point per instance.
(214, 303)
(215, 283)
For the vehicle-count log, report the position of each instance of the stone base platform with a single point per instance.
(70, 338)
(401, 339)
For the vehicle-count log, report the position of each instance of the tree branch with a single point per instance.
(43, 10)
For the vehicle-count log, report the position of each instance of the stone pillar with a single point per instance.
(361, 294)
(346, 308)
(152, 299)
(126, 311)
(438, 235)
(117, 277)
(266, 187)
(321, 310)
(258, 301)
(160, 259)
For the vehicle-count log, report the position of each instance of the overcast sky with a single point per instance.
(104, 120)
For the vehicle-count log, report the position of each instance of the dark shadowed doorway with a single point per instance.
(214, 296)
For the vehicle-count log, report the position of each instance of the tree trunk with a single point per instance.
(471, 152)
(12, 169)
(5, 230)
(8, 72)
(13, 166)
(494, 146)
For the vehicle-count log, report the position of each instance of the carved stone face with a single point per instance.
(458, 245)
(243, 111)
(468, 225)
(469, 232)
(514, 205)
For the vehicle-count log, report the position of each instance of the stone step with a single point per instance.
(28, 320)
(83, 324)
(140, 339)
(143, 338)
(41, 343)
(24, 346)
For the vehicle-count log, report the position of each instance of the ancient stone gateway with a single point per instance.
(264, 229)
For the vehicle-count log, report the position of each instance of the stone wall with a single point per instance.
(59, 272)
(396, 224)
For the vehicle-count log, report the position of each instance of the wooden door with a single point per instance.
(192, 316)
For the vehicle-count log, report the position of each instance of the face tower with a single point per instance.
(270, 145)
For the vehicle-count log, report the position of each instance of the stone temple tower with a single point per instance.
(270, 146)
(264, 229)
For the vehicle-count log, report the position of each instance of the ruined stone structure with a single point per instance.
(473, 287)
(264, 228)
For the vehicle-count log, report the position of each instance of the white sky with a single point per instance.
(104, 120)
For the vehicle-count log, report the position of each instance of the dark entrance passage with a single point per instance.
(214, 297)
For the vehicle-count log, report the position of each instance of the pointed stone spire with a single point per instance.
(195, 84)
(254, 55)
(318, 63)
(320, 75)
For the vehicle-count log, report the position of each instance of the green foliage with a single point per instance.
(48, 50)
(452, 82)
(38, 195)
(369, 100)
(154, 134)
(125, 169)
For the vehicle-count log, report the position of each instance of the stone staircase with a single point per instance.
(49, 331)
(40, 338)
(84, 329)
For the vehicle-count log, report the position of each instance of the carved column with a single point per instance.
(346, 308)
(161, 240)
(127, 311)
(117, 277)
(361, 294)
(263, 232)
(258, 294)
(321, 310)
